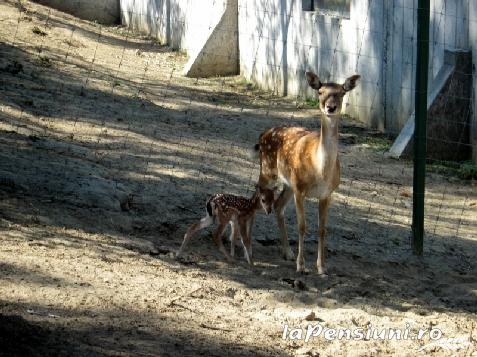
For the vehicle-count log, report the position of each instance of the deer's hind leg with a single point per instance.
(204, 222)
(246, 241)
(233, 237)
(250, 223)
(300, 215)
(279, 206)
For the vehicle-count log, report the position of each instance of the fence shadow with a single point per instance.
(69, 151)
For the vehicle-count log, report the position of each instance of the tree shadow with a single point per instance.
(106, 335)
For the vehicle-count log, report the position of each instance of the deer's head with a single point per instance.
(267, 198)
(331, 94)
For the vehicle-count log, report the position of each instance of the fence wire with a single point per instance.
(112, 125)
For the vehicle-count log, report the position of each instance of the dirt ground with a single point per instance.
(107, 154)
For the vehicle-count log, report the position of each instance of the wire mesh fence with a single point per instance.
(101, 118)
(108, 153)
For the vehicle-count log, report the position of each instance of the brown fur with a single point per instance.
(307, 163)
(237, 211)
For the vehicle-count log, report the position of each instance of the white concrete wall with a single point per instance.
(448, 31)
(150, 17)
(216, 53)
(183, 24)
(278, 42)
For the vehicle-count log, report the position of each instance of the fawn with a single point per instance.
(239, 212)
(307, 164)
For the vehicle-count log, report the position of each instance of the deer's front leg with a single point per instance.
(323, 216)
(279, 207)
(300, 215)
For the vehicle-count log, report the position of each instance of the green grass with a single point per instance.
(466, 170)
(242, 82)
(379, 143)
(312, 102)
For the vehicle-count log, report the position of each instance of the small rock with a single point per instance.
(159, 250)
(300, 285)
(311, 316)
(307, 351)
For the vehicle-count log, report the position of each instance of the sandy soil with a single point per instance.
(107, 154)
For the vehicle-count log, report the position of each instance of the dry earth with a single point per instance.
(106, 155)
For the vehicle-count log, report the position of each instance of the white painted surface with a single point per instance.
(278, 42)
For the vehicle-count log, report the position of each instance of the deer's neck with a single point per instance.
(327, 151)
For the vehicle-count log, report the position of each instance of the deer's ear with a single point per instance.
(313, 80)
(350, 82)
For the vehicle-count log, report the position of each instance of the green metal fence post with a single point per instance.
(420, 126)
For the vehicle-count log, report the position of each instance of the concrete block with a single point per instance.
(448, 123)
(218, 55)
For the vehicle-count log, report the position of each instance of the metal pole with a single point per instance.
(423, 12)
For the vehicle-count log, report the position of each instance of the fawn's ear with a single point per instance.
(313, 80)
(350, 82)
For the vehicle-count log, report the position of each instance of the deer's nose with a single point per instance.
(331, 108)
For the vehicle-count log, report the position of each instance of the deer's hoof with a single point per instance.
(321, 271)
(300, 268)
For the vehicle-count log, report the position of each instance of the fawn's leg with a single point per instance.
(300, 215)
(279, 206)
(245, 241)
(204, 222)
(249, 232)
(218, 240)
(233, 237)
(323, 216)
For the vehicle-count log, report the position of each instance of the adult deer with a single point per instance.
(307, 164)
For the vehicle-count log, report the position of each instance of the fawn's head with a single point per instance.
(266, 197)
(331, 94)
